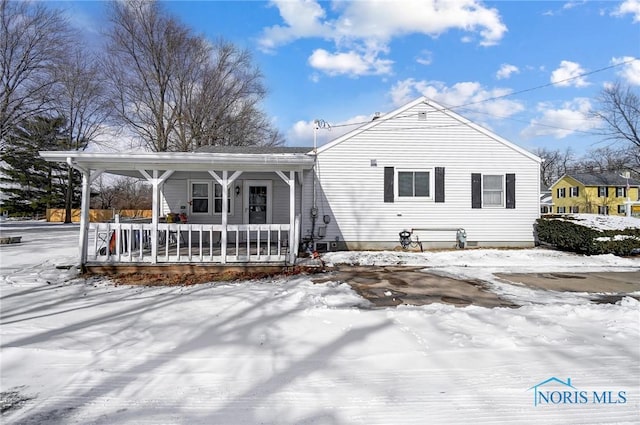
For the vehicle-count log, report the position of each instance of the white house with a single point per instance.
(424, 168)
(421, 168)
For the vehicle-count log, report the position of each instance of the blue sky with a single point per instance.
(343, 61)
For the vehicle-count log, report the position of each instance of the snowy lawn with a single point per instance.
(288, 351)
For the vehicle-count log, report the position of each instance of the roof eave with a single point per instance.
(182, 161)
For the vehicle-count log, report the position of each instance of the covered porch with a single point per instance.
(237, 207)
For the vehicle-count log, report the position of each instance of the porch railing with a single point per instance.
(189, 243)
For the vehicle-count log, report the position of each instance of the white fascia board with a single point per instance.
(182, 160)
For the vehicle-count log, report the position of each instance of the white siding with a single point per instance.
(351, 191)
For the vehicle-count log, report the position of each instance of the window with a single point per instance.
(574, 209)
(217, 200)
(200, 197)
(562, 192)
(603, 191)
(561, 210)
(603, 210)
(201, 200)
(621, 192)
(622, 209)
(414, 184)
(492, 191)
(574, 192)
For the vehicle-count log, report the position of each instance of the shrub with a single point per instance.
(572, 236)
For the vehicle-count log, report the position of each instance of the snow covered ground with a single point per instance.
(287, 351)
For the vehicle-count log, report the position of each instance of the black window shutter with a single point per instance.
(606, 192)
(511, 191)
(476, 190)
(439, 184)
(388, 184)
(577, 190)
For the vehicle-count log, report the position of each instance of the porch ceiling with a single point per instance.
(122, 163)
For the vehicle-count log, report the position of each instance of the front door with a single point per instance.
(257, 201)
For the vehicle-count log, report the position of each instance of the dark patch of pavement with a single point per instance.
(607, 287)
(391, 286)
(394, 285)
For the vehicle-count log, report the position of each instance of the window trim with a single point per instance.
(573, 189)
(564, 210)
(574, 209)
(562, 192)
(624, 192)
(604, 208)
(396, 186)
(603, 189)
(208, 198)
(502, 191)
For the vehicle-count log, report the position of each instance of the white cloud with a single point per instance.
(630, 71)
(572, 4)
(425, 58)
(302, 18)
(506, 70)
(562, 122)
(568, 74)
(349, 63)
(468, 93)
(367, 27)
(629, 7)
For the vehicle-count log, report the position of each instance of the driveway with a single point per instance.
(394, 285)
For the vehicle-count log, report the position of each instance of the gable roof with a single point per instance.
(438, 108)
(600, 179)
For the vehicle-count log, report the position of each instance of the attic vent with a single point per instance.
(422, 116)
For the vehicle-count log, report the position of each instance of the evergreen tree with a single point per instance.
(31, 184)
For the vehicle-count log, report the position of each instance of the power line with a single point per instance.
(451, 108)
(584, 74)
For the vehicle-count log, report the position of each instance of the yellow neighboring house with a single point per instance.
(595, 194)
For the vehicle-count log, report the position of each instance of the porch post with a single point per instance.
(225, 202)
(84, 217)
(291, 181)
(224, 182)
(292, 217)
(155, 207)
(154, 217)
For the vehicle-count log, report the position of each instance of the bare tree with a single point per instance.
(619, 109)
(605, 159)
(226, 108)
(555, 163)
(177, 91)
(80, 99)
(32, 38)
(121, 193)
(144, 51)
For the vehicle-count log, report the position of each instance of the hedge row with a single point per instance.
(572, 236)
